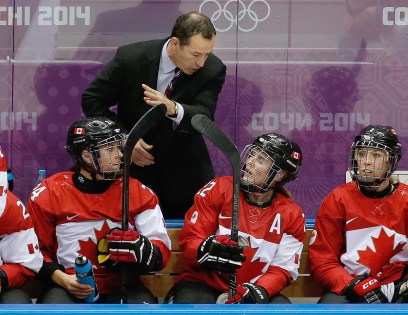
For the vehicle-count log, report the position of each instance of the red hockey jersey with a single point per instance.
(20, 257)
(354, 235)
(69, 222)
(275, 236)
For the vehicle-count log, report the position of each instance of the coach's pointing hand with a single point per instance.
(153, 98)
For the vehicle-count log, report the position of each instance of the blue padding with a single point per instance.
(174, 223)
(178, 223)
(116, 309)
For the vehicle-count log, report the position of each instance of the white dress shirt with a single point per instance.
(164, 77)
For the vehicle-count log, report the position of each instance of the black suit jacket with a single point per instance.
(182, 164)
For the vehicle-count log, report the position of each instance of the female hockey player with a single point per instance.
(271, 231)
(358, 251)
(80, 212)
(20, 258)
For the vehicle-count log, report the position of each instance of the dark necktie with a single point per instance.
(171, 85)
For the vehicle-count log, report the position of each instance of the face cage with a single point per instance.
(249, 170)
(115, 145)
(371, 181)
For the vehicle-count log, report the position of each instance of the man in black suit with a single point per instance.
(172, 158)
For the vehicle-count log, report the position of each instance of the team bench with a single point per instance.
(161, 282)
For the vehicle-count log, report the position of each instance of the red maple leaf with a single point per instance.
(383, 251)
(250, 269)
(88, 248)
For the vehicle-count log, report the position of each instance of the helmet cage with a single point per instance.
(265, 180)
(371, 181)
(107, 166)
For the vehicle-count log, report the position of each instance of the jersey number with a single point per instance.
(25, 213)
(207, 187)
(36, 192)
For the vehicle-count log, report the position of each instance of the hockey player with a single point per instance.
(20, 257)
(271, 231)
(359, 251)
(79, 212)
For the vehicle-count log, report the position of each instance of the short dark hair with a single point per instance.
(190, 24)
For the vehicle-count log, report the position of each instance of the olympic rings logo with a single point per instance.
(222, 14)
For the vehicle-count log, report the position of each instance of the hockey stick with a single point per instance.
(147, 121)
(206, 127)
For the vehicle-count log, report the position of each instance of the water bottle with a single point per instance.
(41, 177)
(85, 275)
(10, 180)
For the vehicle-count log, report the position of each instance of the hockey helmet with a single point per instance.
(276, 150)
(92, 134)
(371, 170)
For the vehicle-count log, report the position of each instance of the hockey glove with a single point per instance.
(131, 247)
(397, 291)
(401, 290)
(249, 293)
(103, 253)
(220, 253)
(364, 289)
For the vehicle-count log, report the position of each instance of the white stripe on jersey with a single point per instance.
(14, 249)
(362, 239)
(3, 194)
(69, 235)
(281, 255)
(150, 223)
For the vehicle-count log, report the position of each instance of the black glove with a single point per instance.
(3, 280)
(249, 293)
(363, 289)
(220, 253)
(131, 247)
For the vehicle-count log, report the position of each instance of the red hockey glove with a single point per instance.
(131, 247)
(365, 290)
(220, 253)
(249, 293)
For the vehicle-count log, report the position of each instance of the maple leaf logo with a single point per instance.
(250, 269)
(383, 251)
(88, 248)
